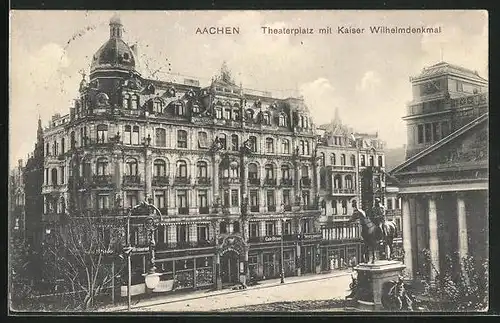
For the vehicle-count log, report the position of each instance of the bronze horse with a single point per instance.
(372, 234)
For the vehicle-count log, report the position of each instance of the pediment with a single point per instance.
(465, 150)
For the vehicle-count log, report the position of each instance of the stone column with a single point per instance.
(407, 238)
(433, 236)
(463, 246)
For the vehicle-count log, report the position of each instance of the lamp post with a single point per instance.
(152, 278)
(283, 220)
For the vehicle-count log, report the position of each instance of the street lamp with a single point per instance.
(152, 278)
(282, 274)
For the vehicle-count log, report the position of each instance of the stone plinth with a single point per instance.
(371, 280)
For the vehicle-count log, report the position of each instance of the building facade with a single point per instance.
(444, 181)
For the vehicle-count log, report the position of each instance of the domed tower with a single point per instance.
(112, 65)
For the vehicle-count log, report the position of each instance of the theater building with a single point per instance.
(443, 183)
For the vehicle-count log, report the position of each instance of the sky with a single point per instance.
(365, 76)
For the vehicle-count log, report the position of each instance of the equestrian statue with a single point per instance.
(375, 230)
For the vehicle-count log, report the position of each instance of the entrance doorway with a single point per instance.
(229, 267)
(308, 260)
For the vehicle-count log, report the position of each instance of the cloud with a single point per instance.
(369, 81)
(321, 98)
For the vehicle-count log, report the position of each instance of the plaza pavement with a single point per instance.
(304, 288)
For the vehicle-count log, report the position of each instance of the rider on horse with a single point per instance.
(378, 216)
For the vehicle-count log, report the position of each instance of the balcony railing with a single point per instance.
(342, 231)
(345, 168)
(182, 180)
(270, 181)
(183, 210)
(101, 180)
(254, 181)
(204, 210)
(286, 182)
(271, 208)
(204, 180)
(254, 208)
(186, 244)
(230, 180)
(131, 179)
(350, 191)
(305, 182)
(161, 181)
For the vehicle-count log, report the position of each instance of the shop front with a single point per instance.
(340, 256)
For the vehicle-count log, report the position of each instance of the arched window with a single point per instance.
(285, 146)
(161, 137)
(181, 139)
(160, 167)
(334, 207)
(73, 140)
(253, 143)
(223, 141)
(282, 120)
(157, 106)
(127, 135)
(322, 159)
(342, 159)
(54, 176)
(102, 133)
(307, 148)
(135, 135)
(227, 113)
(126, 101)
(269, 145)
(250, 114)
(380, 161)
(252, 171)
(181, 169)
(337, 181)
(131, 167)
(218, 112)
(302, 147)
(202, 169)
(179, 109)
(269, 171)
(362, 161)
(236, 114)
(349, 182)
(134, 104)
(102, 166)
(285, 172)
(353, 160)
(372, 160)
(333, 160)
(202, 139)
(62, 146)
(234, 143)
(266, 119)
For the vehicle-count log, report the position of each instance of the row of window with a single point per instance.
(432, 132)
(333, 159)
(347, 182)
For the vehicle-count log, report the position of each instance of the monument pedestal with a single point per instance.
(371, 279)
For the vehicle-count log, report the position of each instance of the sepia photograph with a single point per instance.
(245, 161)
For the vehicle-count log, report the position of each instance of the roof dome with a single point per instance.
(115, 53)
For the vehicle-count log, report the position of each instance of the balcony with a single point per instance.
(204, 181)
(186, 244)
(182, 180)
(254, 181)
(271, 208)
(286, 182)
(342, 168)
(183, 210)
(101, 180)
(131, 180)
(254, 208)
(204, 210)
(161, 181)
(230, 180)
(305, 182)
(270, 182)
(344, 191)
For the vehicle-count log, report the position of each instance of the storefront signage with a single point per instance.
(272, 238)
(313, 236)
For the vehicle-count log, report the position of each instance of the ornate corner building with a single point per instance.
(444, 181)
(233, 172)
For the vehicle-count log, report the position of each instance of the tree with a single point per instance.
(83, 252)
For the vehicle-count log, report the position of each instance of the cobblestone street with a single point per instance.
(294, 295)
